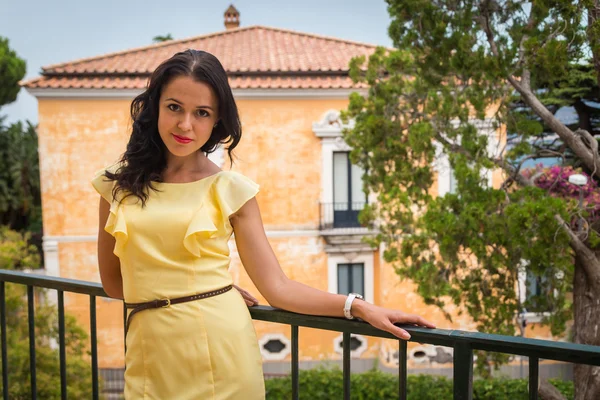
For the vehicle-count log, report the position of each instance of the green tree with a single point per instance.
(16, 254)
(575, 94)
(20, 197)
(20, 211)
(451, 82)
(12, 70)
(162, 38)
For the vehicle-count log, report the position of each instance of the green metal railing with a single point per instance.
(462, 342)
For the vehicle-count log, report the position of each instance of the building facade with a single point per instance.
(290, 88)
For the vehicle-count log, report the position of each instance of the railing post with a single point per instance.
(320, 216)
(4, 340)
(463, 372)
(295, 366)
(534, 367)
(94, 340)
(62, 345)
(402, 359)
(124, 328)
(346, 364)
(31, 318)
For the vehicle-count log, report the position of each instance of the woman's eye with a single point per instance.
(173, 107)
(203, 113)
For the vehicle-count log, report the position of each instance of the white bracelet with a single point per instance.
(348, 304)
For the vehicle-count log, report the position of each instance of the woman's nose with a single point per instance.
(185, 124)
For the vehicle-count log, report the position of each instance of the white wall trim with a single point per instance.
(218, 156)
(237, 93)
(529, 317)
(534, 318)
(329, 130)
(342, 258)
(70, 239)
(293, 233)
(331, 125)
(441, 162)
(51, 261)
(337, 345)
(328, 147)
(270, 233)
(267, 355)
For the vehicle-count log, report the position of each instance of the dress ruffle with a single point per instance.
(232, 191)
(229, 192)
(115, 224)
(201, 227)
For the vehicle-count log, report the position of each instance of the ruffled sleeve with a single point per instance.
(201, 227)
(103, 185)
(228, 193)
(115, 224)
(232, 191)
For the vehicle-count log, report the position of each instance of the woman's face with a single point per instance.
(187, 113)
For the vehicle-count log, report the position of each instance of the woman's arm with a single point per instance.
(109, 264)
(281, 292)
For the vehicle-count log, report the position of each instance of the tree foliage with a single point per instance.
(326, 384)
(12, 70)
(17, 254)
(20, 216)
(471, 81)
(162, 38)
(20, 197)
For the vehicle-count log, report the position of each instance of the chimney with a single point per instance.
(232, 18)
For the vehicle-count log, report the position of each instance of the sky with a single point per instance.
(46, 32)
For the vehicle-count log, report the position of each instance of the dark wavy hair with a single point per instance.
(145, 158)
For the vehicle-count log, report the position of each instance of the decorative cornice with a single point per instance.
(237, 93)
(52, 240)
(330, 126)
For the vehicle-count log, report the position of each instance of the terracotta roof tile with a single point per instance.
(254, 57)
(236, 82)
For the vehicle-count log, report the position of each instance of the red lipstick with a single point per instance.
(181, 139)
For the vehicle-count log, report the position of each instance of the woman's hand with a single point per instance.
(248, 298)
(385, 318)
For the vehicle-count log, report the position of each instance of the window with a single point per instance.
(446, 180)
(351, 278)
(358, 345)
(274, 346)
(453, 184)
(348, 196)
(535, 289)
(364, 259)
(532, 288)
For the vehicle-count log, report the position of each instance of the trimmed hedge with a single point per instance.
(327, 384)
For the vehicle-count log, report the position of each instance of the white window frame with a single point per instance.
(51, 260)
(329, 130)
(218, 156)
(365, 258)
(337, 345)
(267, 355)
(442, 164)
(529, 317)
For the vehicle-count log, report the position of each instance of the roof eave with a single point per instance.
(279, 93)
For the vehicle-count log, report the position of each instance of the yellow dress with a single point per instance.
(177, 245)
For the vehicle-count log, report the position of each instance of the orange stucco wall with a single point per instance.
(278, 150)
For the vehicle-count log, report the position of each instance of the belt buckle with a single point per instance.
(168, 303)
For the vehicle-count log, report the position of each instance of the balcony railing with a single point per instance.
(462, 342)
(340, 216)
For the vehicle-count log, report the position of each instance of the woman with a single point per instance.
(166, 214)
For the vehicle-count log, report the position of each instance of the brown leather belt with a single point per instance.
(166, 303)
